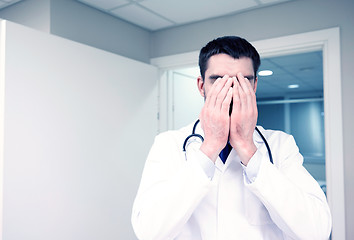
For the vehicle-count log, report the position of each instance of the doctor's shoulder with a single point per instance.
(283, 145)
(166, 153)
(171, 141)
(272, 135)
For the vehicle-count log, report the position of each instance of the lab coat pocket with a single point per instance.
(256, 212)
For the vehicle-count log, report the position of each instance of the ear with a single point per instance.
(255, 84)
(200, 83)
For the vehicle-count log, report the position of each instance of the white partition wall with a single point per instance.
(76, 124)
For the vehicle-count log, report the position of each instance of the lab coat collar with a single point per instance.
(256, 137)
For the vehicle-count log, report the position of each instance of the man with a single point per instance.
(210, 192)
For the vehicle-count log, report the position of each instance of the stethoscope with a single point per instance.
(202, 139)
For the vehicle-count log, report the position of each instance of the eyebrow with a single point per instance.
(250, 77)
(214, 77)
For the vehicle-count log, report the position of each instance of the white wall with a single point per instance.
(78, 125)
(78, 22)
(280, 20)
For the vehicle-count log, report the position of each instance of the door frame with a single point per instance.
(327, 40)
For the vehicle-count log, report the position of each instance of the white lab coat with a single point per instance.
(183, 198)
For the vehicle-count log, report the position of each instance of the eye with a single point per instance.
(213, 78)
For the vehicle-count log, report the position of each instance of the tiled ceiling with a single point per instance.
(159, 14)
(6, 3)
(303, 69)
(154, 15)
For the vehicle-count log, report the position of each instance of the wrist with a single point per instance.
(246, 152)
(210, 150)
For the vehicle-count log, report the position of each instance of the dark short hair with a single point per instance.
(233, 46)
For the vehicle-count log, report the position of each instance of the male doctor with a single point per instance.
(224, 186)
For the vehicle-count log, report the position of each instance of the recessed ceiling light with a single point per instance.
(265, 73)
(293, 86)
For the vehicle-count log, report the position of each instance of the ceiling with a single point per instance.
(6, 3)
(154, 15)
(304, 70)
(159, 14)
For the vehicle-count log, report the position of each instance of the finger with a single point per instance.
(225, 107)
(247, 94)
(215, 90)
(221, 98)
(210, 100)
(243, 82)
(235, 98)
(243, 105)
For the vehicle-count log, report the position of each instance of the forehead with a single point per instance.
(223, 64)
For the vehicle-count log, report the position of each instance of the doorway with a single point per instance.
(290, 99)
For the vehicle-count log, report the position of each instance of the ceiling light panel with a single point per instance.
(265, 73)
(105, 4)
(141, 16)
(10, 1)
(272, 1)
(293, 86)
(184, 11)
